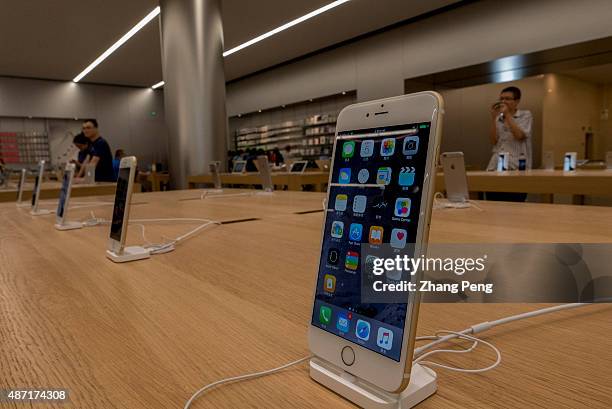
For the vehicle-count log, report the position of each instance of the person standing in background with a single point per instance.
(119, 153)
(230, 160)
(83, 145)
(4, 176)
(287, 152)
(99, 154)
(250, 157)
(276, 157)
(510, 130)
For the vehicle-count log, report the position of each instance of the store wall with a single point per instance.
(606, 118)
(572, 108)
(129, 118)
(564, 109)
(377, 66)
(467, 121)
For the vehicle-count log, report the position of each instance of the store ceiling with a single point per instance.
(59, 41)
(598, 74)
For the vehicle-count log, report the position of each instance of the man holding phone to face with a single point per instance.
(510, 130)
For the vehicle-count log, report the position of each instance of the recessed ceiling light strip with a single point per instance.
(255, 40)
(159, 84)
(118, 44)
(285, 26)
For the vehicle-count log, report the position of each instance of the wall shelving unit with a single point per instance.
(319, 134)
(310, 138)
(24, 148)
(307, 128)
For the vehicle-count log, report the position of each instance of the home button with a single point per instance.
(348, 356)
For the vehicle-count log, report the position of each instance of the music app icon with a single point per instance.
(384, 338)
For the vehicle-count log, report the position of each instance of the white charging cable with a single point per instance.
(161, 247)
(205, 195)
(476, 341)
(419, 353)
(168, 246)
(94, 221)
(487, 325)
(241, 378)
(440, 202)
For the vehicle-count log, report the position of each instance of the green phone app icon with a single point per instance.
(325, 315)
(348, 149)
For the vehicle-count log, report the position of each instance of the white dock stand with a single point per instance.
(68, 226)
(40, 212)
(132, 253)
(422, 385)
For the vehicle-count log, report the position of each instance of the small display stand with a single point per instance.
(422, 385)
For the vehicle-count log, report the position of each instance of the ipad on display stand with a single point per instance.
(455, 178)
(239, 166)
(117, 251)
(36, 191)
(380, 194)
(298, 166)
(61, 214)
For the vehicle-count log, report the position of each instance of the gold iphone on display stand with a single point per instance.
(455, 178)
(121, 209)
(35, 211)
(61, 214)
(380, 194)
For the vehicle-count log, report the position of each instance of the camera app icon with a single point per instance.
(411, 145)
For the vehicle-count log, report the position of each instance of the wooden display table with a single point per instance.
(237, 298)
(51, 190)
(293, 181)
(579, 183)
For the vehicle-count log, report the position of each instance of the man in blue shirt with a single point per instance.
(99, 154)
(119, 153)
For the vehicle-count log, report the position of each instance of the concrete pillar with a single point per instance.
(194, 89)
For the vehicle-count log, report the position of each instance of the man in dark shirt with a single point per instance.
(99, 154)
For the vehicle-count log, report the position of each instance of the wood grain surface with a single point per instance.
(236, 299)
